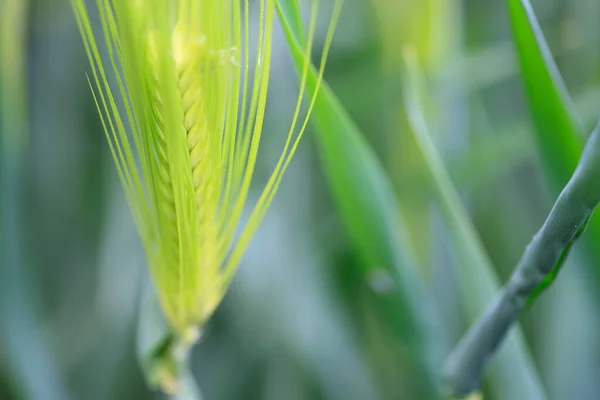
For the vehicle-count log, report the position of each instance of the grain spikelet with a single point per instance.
(186, 144)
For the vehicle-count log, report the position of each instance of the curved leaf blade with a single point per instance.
(369, 210)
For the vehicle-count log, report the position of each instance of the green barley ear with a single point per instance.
(186, 144)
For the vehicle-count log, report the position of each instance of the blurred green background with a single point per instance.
(302, 319)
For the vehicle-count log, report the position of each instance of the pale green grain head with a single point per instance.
(186, 143)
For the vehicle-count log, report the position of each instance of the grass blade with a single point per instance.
(514, 375)
(558, 133)
(557, 130)
(369, 209)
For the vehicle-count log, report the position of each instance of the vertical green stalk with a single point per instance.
(514, 374)
(432, 28)
(29, 366)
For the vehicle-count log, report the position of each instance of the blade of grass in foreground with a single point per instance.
(557, 130)
(557, 134)
(541, 258)
(368, 208)
(514, 375)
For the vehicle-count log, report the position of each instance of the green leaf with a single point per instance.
(514, 375)
(369, 210)
(557, 130)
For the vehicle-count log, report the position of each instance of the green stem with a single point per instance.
(163, 354)
(547, 250)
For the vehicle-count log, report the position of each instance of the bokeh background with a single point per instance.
(301, 320)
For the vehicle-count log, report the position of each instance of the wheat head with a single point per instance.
(186, 140)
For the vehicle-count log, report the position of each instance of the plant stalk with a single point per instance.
(163, 354)
(575, 204)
